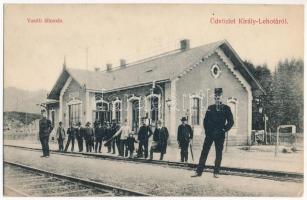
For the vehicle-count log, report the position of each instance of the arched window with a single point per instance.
(74, 111)
(233, 104)
(117, 110)
(153, 108)
(195, 110)
(103, 112)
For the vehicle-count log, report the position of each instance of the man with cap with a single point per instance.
(114, 128)
(80, 136)
(45, 128)
(99, 134)
(160, 138)
(60, 136)
(218, 120)
(184, 136)
(71, 132)
(143, 135)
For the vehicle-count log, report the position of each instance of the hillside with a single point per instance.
(20, 100)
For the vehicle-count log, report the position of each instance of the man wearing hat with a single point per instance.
(89, 137)
(184, 136)
(217, 122)
(60, 136)
(79, 136)
(45, 129)
(160, 138)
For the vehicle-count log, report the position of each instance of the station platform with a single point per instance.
(256, 157)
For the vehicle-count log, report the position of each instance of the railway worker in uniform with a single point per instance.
(60, 136)
(80, 136)
(160, 137)
(88, 136)
(71, 132)
(45, 128)
(123, 132)
(143, 136)
(115, 141)
(99, 133)
(218, 120)
(184, 136)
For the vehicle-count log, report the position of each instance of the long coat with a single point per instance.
(160, 136)
(79, 133)
(184, 134)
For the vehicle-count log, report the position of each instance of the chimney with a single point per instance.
(97, 69)
(122, 63)
(109, 67)
(184, 44)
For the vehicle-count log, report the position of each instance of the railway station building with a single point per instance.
(165, 87)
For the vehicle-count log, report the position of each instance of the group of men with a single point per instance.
(218, 120)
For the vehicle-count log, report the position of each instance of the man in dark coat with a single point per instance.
(217, 122)
(89, 137)
(143, 135)
(99, 134)
(80, 136)
(45, 128)
(160, 138)
(71, 132)
(114, 128)
(184, 136)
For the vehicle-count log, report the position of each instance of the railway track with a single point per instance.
(22, 180)
(255, 173)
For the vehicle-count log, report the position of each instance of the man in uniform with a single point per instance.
(143, 136)
(217, 122)
(45, 128)
(184, 136)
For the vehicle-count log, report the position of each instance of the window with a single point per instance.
(154, 108)
(74, 111)
(215, 71)
(233, 103)
(102, 113)
(195, 107)
(117, 111)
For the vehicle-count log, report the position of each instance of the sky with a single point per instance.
(90, 36)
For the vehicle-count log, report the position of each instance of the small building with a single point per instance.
(166, 87)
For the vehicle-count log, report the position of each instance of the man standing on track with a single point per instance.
(217, 122)
(184, 136)
(45, 128)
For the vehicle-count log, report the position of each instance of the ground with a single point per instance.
(155, 180)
